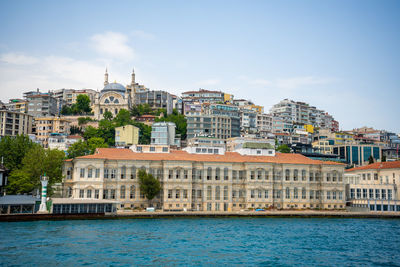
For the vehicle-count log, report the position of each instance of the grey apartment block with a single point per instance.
(15, 123)
(42, 105)
(156, 100)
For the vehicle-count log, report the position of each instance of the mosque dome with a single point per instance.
(115, 87)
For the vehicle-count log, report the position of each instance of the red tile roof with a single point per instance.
(378, 166)
(179, 155)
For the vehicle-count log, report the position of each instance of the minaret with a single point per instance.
(133, 81)
(106, 78)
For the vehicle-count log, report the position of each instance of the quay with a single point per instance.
(200, 214)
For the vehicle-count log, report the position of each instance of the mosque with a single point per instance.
(115, 97)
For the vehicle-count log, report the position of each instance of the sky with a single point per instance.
(340, 56)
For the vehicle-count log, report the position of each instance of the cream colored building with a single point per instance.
(48, 125)
(207, 182)
(14, 123)
(126, 135)
(374, 187)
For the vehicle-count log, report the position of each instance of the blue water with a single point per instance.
(202, 242)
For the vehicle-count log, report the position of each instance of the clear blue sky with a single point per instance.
(340, 56)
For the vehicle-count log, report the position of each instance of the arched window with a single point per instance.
(122, 192)
(295, 193)
(209, 170)
(111, 98)
(217, 174)
(295, 175)
(259, 174)
(116, 101)
(303, 175)
(178, 174)
(123, 172)
(226, 177)
(208, 192)
(217, 193)
(225, 193)
(287, 192)
(334, 176)
(287, 175)
(317, 176)
(107, 101)
(303, 193)
(132, 192)
(311, 176)
(133, 172)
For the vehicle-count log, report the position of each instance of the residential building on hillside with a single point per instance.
(17, 105)
(207, 182)
(45, 126)
(264, 124)
(358, 154)
(41, 104)
(163, 133)
(62, 141)
(126, 135)
(205, 145)
(204, 96)
(15, 123)
(69, 96)
(248, 120)
(374, 187)
(155, 99)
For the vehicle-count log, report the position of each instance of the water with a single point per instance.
(202, 242)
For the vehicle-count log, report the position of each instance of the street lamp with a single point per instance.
(44, 180)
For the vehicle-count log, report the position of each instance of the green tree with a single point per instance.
(95, 142)
(66, 110)
(123, 118)
(107, 115)
(13, 150)
(83, 104)
(75, 130)
(149, 185)
(78, 149)
(35, 163)
(370, 159)
(144, 133)
(283, 148)
(106, 130)
(90, 132)
(84, 120)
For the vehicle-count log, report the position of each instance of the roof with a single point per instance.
(18, 200)
(74, 137)
(257, 145)
(378, 166)
(114, 87)
(147, 116)
(201, 91)
(179, 155)
(80, 201)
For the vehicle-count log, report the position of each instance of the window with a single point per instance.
(105, 194)
(217, 193)
(377, 194)
(194, 172)
(303, 175)
(106, 174)
(96, 194)
(287, 175)
(252, 174)
(383, 193)
(252, 193)
(311, 194)
(170, 174)
(340, 195)
(265, 193)
(352, 193)
(358, 193)
(311, 176)
(259, 174)
(133, 172)
(113, 173)
(259, 193)
(328, 177)
(266, 175)
(334, 195)
(225, 193)
(234, 175)
(177, 193)
(334, 176)
(295, 193)
(217, 174)
(208, 192)
(178, 174)
(89, 193)
(81, 193)
(209, 173)
(132, 192)
(303, 193)
(112, 193)
(169, 193)
(295, 175)
(287, 194)
(364, 193)
(390, 194)
(185, 174)
(226, 176)
(152, 149)
(371, 193)
(123, 172)
(89, 174)
(82, 173)
(185, 193)
(122, 192)
(242, 175)
(97, 173)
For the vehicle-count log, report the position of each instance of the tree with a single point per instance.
(83, 104)
(94, 143)
(106, 130)
(149, 185)
(13, 150)
(283, 148)
(370, 159)
(107, 115)
(78, 149)
(123, 118)
(66, 110)
(90, 132)
(75, 130)
(84, 120)
(35, 163)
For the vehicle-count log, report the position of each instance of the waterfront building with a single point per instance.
(19, 204)
(45, 126)
(190, 181)
(126, 135)
(14, 123)
(374, 186)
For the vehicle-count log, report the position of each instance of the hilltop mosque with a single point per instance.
(114, 97)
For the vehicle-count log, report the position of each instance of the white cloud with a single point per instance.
(113, 45)
(18, 59)
(143, 35)
(208, 82)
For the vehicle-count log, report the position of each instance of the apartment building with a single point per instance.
(14, 123)
(17, 105)
(207, 182)
(155, 99)
(41, 104)
(163, 133)
(204, 96)
(374, 187)
(126, 135)
(45, 126)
